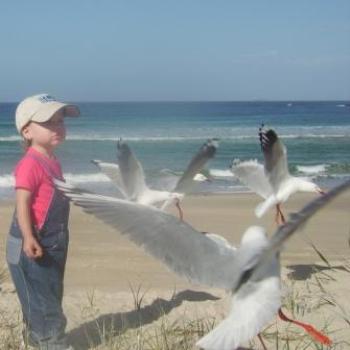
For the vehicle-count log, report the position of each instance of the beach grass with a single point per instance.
(310, 301)
(3, 275)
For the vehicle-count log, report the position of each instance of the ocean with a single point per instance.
(165, 135)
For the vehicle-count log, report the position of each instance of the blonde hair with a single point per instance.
(25, 144)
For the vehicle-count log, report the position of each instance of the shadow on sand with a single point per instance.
(303, 272)
(88, 335)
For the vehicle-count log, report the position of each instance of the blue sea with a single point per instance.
(165, 135)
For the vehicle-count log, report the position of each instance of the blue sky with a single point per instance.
(146, 50)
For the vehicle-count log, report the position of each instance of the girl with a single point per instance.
(38, 239)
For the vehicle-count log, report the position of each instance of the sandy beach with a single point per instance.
(105, 271)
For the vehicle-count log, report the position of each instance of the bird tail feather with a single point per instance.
(223, 337)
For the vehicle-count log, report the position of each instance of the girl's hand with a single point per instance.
(32, 248)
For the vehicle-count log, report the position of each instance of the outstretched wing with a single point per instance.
(184, 250)
(131, 171)
(111, 170)
(275, 156)
(252, 174)
(206, 152)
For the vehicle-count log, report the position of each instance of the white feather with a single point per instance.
(252, 174)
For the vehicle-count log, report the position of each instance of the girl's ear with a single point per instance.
(26, 133)
(27, 138)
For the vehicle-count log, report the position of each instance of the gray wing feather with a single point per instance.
(275, 156)
(184, 250)
(111, 170)
(131, 171)
(206, 152)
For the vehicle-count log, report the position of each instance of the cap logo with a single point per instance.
(46, 98)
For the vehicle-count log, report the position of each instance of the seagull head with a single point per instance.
(309, 186)
(253, 234)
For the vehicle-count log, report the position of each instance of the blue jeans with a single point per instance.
(39, 282)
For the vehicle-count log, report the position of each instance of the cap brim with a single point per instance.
(49, 109)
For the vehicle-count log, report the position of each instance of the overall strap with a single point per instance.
(46, 166)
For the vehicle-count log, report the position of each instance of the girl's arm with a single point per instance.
(31, 247)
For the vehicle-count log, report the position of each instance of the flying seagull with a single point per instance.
(283, 184)
(250, 272)
(128, 176)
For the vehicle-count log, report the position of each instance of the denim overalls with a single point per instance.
(39, 282)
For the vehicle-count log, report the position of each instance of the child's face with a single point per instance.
(48, 134)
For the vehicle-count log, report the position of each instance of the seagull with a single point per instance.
(283, 184)
(250, 272)
(252, 174)
(128, 176)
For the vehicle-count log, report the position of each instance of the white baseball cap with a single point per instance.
(40, 108)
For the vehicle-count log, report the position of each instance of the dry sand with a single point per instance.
(104, 267)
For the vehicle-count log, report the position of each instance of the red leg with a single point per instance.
(277, 216)
(283, 220)
(314, 333)
(177, 204)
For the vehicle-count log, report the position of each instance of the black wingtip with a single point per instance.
(234, 162)
(267, 138)
(123, 147)
(120, 142)
(211, 146)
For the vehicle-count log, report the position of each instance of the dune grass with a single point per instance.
(309, 301)
(3, 275)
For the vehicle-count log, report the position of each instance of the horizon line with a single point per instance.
(200, 101)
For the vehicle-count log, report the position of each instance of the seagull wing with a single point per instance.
(221, 241)
(111, 170)
(275, 155)
(180, 247)
(131, 171)
(206, 152)
(252, 174)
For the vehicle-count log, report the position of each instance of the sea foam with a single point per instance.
(312, 169)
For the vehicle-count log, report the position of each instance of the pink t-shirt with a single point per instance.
(31, 175)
